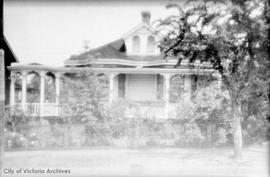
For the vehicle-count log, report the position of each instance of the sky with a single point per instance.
(49, 32)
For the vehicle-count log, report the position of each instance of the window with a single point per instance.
(136, 44)
(121, 85)
(151, 44)
(194, 82)
(160, 85)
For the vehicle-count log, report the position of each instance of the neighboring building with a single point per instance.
(8, 54)
(136, 70)
(10, 57)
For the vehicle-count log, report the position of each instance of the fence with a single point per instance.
(128, 133)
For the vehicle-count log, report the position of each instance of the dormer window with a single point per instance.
(151, 44)
(136, 44)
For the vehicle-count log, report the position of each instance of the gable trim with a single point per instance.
(138, 27)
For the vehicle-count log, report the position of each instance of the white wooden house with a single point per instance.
(137, 72)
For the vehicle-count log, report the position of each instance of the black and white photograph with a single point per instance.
(134, 88)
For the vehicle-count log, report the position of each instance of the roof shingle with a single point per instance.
(115, 49)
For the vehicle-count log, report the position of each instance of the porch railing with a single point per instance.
(54, 109)
(34, 109)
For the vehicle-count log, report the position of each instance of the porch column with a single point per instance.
(12, 89)
(24, 75)
(42, 92)
(112, 86)
(167, 93)
(57, 87)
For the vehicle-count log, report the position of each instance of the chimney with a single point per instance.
(146, 15)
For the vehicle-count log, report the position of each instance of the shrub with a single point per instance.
(190, 136)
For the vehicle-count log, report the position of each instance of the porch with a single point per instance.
(35, 92)
(150, 88)
(151, 92)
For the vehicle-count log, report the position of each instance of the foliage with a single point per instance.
(85, 95)
(15, 134)
(230, 46)
(15, 118)
(206, 120)
(119, 116)
(232, 36)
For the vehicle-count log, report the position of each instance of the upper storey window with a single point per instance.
(136, 44)
(151, 44)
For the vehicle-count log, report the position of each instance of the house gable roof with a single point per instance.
(8, 50)
(141, 25)
(115, 49)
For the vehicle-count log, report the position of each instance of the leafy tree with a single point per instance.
(209, 112)
(84, 95)
(232, 36)
(212, 114)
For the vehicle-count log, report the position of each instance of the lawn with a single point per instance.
(138, 162)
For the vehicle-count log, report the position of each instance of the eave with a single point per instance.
(128, 70)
